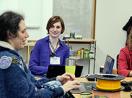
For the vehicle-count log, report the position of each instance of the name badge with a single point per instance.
(55, 60)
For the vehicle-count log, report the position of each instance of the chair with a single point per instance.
(117, 62)
(115, 71)
(108, 66)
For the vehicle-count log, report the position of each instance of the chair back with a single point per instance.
(117, 57)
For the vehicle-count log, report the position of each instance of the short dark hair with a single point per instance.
(53, 20)
(9, 24)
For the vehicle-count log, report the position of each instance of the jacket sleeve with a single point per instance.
(38, 82)
(67, 52)
(19, 85)
(34, 63)
(122, 64)
(66, 55)
(2, 83)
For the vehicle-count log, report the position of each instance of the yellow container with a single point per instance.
(82, 53)
(79, 53)
(108, 85)
(70, 69)
(109, 82)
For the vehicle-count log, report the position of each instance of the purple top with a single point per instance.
(40, 56)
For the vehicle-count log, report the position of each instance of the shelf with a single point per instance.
(91, 43)
(30, 43)
(80, 41)
(69, 41)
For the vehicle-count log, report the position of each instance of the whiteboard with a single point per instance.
(77, 15)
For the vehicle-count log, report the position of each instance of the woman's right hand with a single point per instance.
(71, 85)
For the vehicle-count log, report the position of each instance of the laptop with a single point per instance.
(55, 70)
(108, 66)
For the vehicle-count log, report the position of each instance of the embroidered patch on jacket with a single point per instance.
(5, 62)
(15, 60)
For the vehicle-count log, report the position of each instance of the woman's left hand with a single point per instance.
(65, 77)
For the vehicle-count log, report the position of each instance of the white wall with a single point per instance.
(36, 13)
(111, 16)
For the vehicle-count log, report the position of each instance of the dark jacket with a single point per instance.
(16, 80)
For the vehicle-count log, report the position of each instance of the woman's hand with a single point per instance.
(71, 85)
(65, 78)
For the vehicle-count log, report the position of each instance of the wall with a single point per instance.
(111, 16)
(36, 13)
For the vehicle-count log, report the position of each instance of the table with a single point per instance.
(120, 94)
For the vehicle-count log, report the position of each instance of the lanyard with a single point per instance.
(53, 49)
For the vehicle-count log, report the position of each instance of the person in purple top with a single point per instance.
(49, 50)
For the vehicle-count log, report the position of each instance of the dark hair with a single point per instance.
(128, 25)
(9, 24)
(53, 20)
